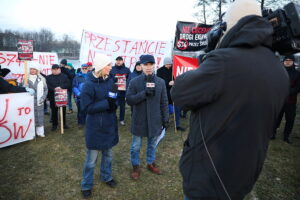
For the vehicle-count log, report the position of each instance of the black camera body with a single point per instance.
(286, 24)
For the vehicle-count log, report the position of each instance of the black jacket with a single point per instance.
(166, 75)
(235, 97)
(294, 84)
(5, 87)
(54, 81)
(70, 73)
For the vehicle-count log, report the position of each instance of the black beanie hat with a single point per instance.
(63, 61)
(291, 57)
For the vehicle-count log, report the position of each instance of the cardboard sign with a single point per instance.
(61, 97)
(25, 49)
(9, 59)
(183, 64)
(16, 118)
(129, 49)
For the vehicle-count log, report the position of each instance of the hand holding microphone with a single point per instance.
(150, 86)
(112, 98)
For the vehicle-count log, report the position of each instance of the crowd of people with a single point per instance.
(236, 107)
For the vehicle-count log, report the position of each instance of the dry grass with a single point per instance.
(51, 169)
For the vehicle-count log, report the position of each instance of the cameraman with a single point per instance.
(235, 98)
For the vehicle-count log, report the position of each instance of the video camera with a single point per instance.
(286, 24)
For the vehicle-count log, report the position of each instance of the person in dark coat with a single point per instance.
(121, 73)
(136, 72)
(166, 73)
(69, 71)
(289, 108)
(56, 80)
(6, 88)
(148, 96)
(98, 100)
(235, 98)
(78, 83)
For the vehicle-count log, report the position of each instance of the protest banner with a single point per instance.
(61, 99)
(16, 118)
(9, 59)
(183, 64)
(25, 52)
(129, 49)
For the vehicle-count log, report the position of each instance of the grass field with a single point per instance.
(50, 168)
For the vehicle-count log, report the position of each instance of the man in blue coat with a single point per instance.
(148, 96)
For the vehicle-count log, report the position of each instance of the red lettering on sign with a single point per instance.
(185, 29)
(3, 121)
(21, 129)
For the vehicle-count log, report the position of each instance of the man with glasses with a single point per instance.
(289, 108)
(78, 82)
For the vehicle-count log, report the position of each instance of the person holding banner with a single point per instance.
(69, 71)
(148, 96)
(98, 99)
(235, 98)
(120, 72)
(56, 80)
(78, 83)
(38, 83)
(165, 72)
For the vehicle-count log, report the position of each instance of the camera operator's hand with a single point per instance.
(150, 86)
(166, 125)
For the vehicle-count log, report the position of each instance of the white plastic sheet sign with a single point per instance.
(16, 118)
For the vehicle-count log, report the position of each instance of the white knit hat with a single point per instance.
(239, 9)
(168, 61)
(101, 61)
(34, 65)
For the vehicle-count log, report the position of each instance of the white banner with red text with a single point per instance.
(129, 49)
(9, 59)
(16, 118)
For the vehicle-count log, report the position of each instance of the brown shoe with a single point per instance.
(154, 168)
(136, 172)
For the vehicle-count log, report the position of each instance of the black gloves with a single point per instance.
(112, 104)
(166, 125)
(150, 86)
(112, 98)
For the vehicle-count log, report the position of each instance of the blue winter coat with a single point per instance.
(101, 131)
(78, 82)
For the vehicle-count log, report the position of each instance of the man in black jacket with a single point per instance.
(289, 108)
(165, 72)
(56, 80)
(235, 98)
(66, 68)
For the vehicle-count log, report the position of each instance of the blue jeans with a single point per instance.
(186, 198)
(81, 115)
(177, 115)
(70, 100)
(136, 147)
(121, 103)
(89, 166)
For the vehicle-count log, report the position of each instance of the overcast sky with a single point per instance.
(137, 19)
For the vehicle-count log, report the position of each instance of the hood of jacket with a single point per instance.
(250, 31)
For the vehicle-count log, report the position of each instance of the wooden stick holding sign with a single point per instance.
(26, 73)
(61, 100)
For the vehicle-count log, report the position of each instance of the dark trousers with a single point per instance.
(81, 116)
(121, 104)
(289, 111)
(55, 113)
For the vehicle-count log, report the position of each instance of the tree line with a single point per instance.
(43, 41)
(210, 11)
